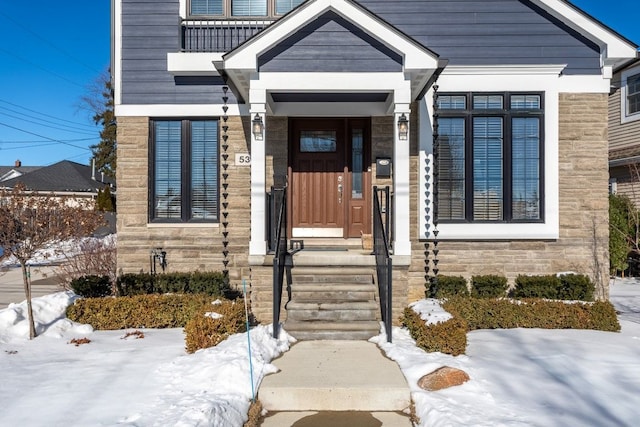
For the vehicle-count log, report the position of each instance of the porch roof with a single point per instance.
(379, 49)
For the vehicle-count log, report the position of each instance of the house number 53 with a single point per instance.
(243, 159)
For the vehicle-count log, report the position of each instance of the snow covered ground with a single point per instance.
(519, 377)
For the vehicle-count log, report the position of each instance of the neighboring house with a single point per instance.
(624, 132)
(9, 172)
(217, 100)
(64, 179)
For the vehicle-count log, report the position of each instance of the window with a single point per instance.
(633, 94)
(241, 8)
(630, 95)
(184, 171)
(490, 157)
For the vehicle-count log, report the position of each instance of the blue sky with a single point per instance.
(51, 52)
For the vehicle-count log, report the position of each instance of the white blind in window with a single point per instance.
(487, 168)
(206, 7)
(204, 169)
(249, 7)
(168, 195)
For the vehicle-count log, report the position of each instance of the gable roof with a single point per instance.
(8, 172)
(418, 61)
(64, 176)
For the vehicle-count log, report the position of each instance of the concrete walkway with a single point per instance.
(43, 282)
(323, 382)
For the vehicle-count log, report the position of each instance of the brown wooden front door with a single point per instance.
(329, 178)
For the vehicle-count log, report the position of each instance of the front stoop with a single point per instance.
(332, 303)
(335, 375)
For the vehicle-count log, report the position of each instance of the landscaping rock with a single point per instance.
(444, 377)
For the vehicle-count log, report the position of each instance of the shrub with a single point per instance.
(532, 313)
(92, 286)
(536, 287)
(211, 283)
(138, 311)
(447, 286)
(576, 287)
(134, 284)
(204, 331)
(489, 286)
(448, 337)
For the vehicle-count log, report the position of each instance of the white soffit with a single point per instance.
(193, 63)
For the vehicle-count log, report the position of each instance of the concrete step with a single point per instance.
(335, 376)
(333, 278)
(334, 293)
(332, 311)
(332, 330)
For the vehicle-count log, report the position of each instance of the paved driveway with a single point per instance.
(43, 282)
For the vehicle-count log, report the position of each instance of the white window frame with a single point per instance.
(625, 117)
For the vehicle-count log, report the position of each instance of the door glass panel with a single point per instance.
(318, 141)
(357, 158)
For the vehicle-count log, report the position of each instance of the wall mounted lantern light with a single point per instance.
(257, 127)
(403, 128)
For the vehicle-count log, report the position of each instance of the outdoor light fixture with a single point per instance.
(403, 127)
(257, 127)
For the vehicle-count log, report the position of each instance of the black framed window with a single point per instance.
(633, 94)
(490, 157)
(241, 8)
(183, 159)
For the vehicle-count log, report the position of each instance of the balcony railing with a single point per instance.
(218, 35)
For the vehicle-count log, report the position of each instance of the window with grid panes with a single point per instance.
(490, 157)
(184, 171)
(241, 8)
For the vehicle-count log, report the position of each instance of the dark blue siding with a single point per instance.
(150, 29)
(466, 32)
(489, 32)
(330, 44)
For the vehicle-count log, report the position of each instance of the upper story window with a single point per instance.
(241, 8)
(633, 94)
(630, 95)
(490, 157)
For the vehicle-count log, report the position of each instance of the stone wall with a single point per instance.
(189, 247)
(584, 233)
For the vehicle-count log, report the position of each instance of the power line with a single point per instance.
(59, 49)
(40, 113)
(41, 68)
(45, 137)
(47, 126)
(37, 141)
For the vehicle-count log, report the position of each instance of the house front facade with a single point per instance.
(624, 132)
(487, 121)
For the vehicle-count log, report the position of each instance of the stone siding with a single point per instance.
(192, 246)
(583, 243)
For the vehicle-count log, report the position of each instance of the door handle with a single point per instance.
(339, 193)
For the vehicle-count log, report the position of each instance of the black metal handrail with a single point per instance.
(218, 35)
(280, 252)
(384, 267)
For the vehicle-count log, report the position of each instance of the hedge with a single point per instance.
(480, 313)
(447, 286)
(199, 282)
(138, 311)
(204, 331)
(448, 337)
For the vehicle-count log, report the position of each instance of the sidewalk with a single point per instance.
(323, 382)
(43, 282)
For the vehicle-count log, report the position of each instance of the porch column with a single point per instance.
(258, 243)
(401, 213)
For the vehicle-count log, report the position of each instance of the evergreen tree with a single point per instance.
(101, 103)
